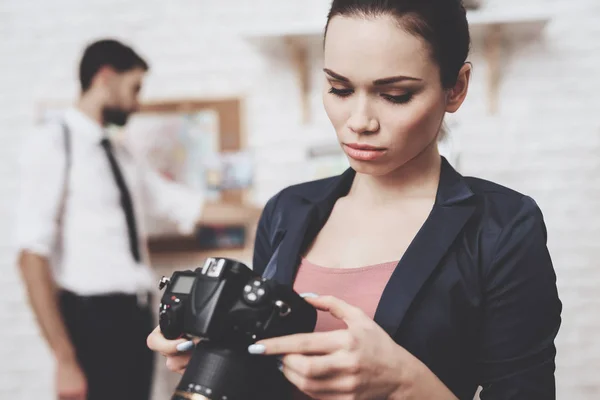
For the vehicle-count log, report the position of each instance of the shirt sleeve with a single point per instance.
(522, 313)
(172, 201)
(42, 169)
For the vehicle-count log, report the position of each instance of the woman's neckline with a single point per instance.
(333, 270)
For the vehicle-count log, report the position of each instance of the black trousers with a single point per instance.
(109, 334)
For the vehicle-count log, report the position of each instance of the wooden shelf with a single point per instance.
(495, 31)
(210, 238)
(310, 30)
(494, 34)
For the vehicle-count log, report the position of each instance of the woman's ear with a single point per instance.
(456, 95)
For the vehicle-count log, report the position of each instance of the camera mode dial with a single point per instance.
(255, 292)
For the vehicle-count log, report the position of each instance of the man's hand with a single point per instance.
(70, 381)
(42, 295)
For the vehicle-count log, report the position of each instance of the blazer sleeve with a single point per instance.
(263, 241)
(522, 313)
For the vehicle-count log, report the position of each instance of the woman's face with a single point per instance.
(383, 93)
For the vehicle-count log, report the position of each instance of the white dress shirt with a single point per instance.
(90, 251)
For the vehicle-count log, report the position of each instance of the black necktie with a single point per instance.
(126, 202)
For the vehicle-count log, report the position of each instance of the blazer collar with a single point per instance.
(452, 188)
(451, 211)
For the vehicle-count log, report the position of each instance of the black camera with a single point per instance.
(229, 307)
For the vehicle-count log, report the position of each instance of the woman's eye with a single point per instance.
(401, 99)
(341, 92)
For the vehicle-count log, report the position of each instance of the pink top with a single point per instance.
(361, 287)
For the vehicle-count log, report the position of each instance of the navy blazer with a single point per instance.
(474, 296)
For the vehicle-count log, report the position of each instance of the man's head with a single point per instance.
(112, 73)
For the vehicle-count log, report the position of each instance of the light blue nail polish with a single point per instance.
(185, 346)
(256, 349)
(309, 295)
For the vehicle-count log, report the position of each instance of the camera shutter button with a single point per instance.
(284, 309)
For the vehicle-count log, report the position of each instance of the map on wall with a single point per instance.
(175, 144)
(184, 147)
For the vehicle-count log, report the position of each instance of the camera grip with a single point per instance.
(170, 321)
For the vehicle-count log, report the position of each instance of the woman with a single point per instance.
(433, 283)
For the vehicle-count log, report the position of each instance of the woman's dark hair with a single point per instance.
(107, 52)
(441, 23)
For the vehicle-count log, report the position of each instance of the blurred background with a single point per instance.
(243, 77)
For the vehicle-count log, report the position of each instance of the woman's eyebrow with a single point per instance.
(394, 79)
(335, 76)
(377, 82)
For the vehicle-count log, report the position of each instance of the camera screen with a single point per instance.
(183, 284)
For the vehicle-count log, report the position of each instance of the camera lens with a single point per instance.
(188, 396)
(216, 372)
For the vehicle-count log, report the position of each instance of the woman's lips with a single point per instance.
(363, 152)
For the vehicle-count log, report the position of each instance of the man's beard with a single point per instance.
(114, 116)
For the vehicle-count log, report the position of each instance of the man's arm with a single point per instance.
(188, 208)
(42, 293)
(41, 186)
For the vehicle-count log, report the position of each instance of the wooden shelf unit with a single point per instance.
(495, 31)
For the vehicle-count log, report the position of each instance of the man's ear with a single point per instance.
(456, 95)
(104, 75)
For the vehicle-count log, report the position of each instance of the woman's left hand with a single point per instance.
(360, 362)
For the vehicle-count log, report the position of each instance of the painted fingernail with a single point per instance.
(185, 346)
(280, 365)
(309, 295)
(256, 349)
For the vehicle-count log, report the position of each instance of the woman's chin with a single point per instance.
(370, 167)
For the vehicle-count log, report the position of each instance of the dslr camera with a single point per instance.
(229, 307)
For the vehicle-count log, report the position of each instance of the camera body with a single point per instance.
(230, 307)
(226, 302)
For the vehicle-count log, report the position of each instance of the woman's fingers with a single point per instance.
(304, 343)
(178, 363)
(334, 387)
(157, 342)
(336, 307)
(324, 366)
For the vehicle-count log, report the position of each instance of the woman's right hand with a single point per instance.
(177, 352)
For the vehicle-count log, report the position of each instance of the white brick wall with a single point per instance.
(544, 141)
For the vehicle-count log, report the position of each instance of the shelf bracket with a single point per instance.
(493, 49)
(299, 57)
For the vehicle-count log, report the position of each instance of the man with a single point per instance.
(82, 252)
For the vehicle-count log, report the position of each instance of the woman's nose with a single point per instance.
(362, 121)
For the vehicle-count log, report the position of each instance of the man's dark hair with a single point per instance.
(107, 52)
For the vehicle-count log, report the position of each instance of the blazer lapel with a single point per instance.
(303, 227)
(283, 264)
(446, 220)
(450, 213)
